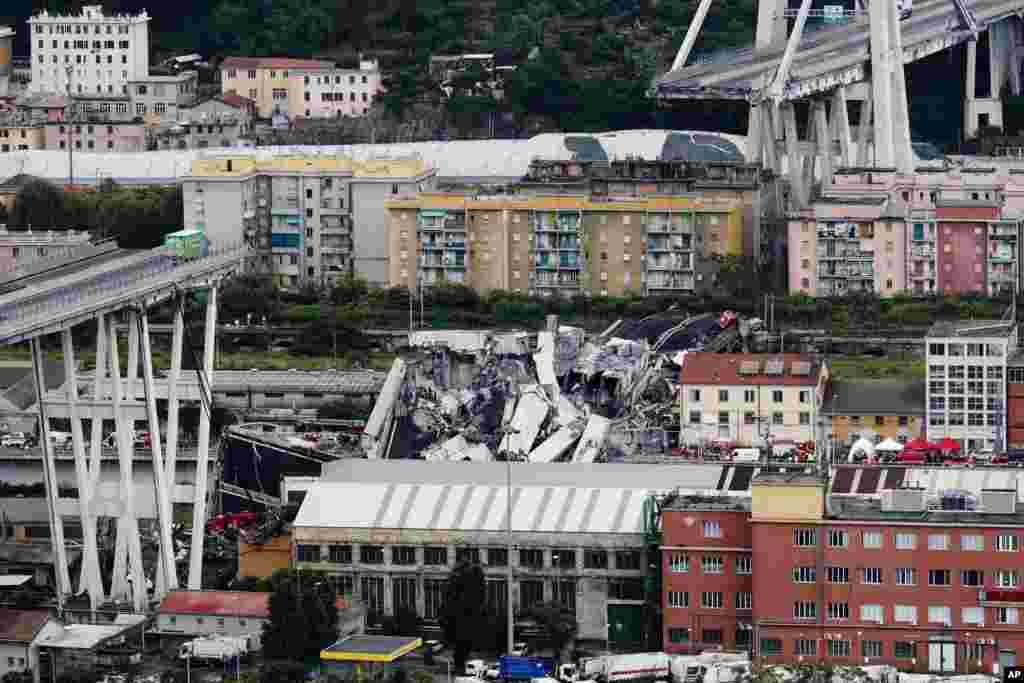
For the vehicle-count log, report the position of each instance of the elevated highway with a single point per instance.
(830, 56)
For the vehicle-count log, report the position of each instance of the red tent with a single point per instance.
(919, 444)
(949, 444)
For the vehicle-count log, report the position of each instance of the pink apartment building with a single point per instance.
(113, 136)
(938, 231)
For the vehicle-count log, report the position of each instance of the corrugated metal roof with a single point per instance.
(550, 509)
(220, 603)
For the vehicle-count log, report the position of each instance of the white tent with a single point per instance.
(890, 445)
(862, 445)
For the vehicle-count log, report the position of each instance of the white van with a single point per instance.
(746, 455)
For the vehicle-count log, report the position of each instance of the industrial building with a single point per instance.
(389, 533)
(309, 219)
(927, 585)
(561, 245)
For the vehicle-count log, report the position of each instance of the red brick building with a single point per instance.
(854, 581)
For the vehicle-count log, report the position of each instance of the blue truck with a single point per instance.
(525, 668)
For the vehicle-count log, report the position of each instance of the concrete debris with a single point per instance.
(543, 397)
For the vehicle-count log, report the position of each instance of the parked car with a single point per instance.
(14, 440)
(492, 671)
(475, 668)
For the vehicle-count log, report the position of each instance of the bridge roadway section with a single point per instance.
(828, 57)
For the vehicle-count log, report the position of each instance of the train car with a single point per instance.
(188, 244)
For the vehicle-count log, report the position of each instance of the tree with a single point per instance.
(39, 203)
(463, 614)
(558, 622)
(343, 409)
(282, 672)
(303, 616)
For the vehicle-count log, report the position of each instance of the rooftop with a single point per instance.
(875, 398)
(786, 478)
(274, 63)
(89, 636)
(235, 166)
(751, 369)
(870, 510)
(371, 648)
(21, 625)
(708, 503)
(972, 328)
(234, 100)
(222, 603)
(459, 201)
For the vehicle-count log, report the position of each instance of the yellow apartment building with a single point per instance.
(15, 138)
(266, 80)
(560, 245)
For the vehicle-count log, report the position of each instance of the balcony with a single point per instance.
(922, 252)
(1001, 598)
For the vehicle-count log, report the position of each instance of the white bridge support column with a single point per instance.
(771, 23)
(864, 142)
(173, 412)
(769, 135)
(90, 578)
(881, 83)
(167, 576)
(195, 567)
(60, 558)
(970, 89)
(841, 129)
(691, 35)
(128, 540)
(824, 140)
(903, 155)
(794, 159)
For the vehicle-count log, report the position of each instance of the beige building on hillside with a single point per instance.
(561, 245)
(265, 80)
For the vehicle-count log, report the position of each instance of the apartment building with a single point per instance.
(874, 410)
(104, 54)
(21, 136)
(6, 60)
(750, 399)
(319, 93)
(110, 136)
(311, 218)
(163, 97)
(266, 80)
(560, 245)
(966, 373)
(933, 232)
(855, 580)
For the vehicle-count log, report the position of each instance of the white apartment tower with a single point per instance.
(103, 52)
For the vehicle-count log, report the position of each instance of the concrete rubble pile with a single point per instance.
(483, 395)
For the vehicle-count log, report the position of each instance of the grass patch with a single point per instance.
(854, 368)
(285, 361)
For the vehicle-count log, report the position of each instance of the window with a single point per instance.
(906, 576)
(804, 647)
(938, 577)
(531, 557)
(712, 636)
(743, 564)
(777, 419)
(1007, 615)
(371, 554)
(711, 600)
(838, 574)
(805, 396)
(679, 635)
(695, 395)
(678, 599)
(531, 592)
(871, 648)
(872, 539)
(937, 349)
(837, 538)
(712, 564)
(497, 557)
(973, 615)
(804, 538)
(972, 577)
(771, 646)
(804, 610)
(403, 554)
(906, 541)
(904, 614)
(308, 553)
(838, 611)
(563, 558)
(744, 600)
(871, 576)
(872, 613)
(804, 574)
(904, 650)
(695, 417)
(723, 395)
(435, 555)
(1007, 578)
(939, 615)
(712, 529)
(838, 648)
(805, 418)
(598, 559)
(777, 396)
(679, 563)
(627, 559)
(1007, 543)
(938, 541)
(975, 542)
(340, 554)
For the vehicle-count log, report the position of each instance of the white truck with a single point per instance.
(214, 648)
(644, 666)
(711, 667)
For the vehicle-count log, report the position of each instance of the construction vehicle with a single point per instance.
(645, 666)
(214, 648)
